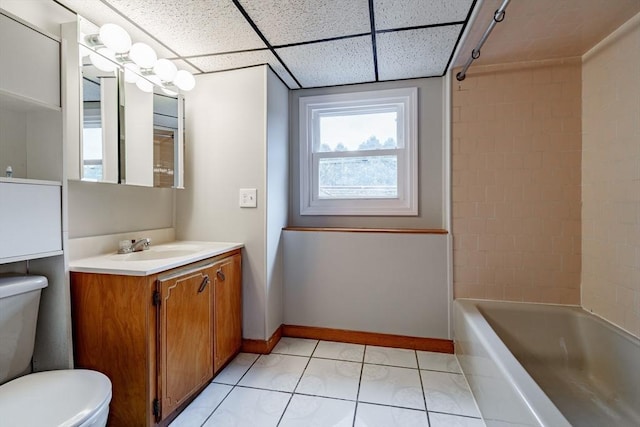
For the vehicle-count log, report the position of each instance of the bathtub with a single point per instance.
(547, 365)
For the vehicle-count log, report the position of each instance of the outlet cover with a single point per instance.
(248, 198)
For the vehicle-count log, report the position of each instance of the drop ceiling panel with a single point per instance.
(411, 13)
(295, 21)
(99, 13)
(193, 27)
(415, 53)
(244, 59)
(330, 63)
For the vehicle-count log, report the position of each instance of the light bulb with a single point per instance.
(131, 72)
(165, 69)
(115, 38)
(103, 59)
(184, 80)
(144, 85)
(143, 55)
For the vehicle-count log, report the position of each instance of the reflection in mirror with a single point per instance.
(99, 151)
(167, 140)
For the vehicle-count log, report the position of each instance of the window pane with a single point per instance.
(92, 153)
(361, 131)
(370, 177)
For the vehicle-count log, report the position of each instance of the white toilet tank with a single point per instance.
(66, 397)
(19, 300)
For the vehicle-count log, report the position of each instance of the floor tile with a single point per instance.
(331, 378)
(275, 372)
(247, 407)
(295, 346)
(387, 416)
(393, 386)
(446, 392)
(305, 411)
(339, 351)
(232, 373)
(203, 405)
(438, 362)
(390, 356)
(447, 420)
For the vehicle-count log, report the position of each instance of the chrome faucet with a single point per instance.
(128, 246)
(140, 244)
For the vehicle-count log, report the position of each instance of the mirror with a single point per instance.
(99, 137)
(168, 142)
(130, 133)
(153, 147)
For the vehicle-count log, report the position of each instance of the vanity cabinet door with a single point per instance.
(185, 342)
(228, 310)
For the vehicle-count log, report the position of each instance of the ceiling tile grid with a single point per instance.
(390, 14)
(308, 43)
(232, 61)
(294, 21)
(331, 63)
(409, 54)
(192, 27)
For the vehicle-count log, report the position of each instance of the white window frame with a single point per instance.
(405, 101)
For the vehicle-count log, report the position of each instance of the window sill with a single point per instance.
(370, 230)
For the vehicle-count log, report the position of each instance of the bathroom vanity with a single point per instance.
(159, 323)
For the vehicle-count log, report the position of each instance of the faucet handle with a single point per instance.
(146, 242)
(125, 246)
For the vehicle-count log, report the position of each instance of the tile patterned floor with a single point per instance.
(306, 383)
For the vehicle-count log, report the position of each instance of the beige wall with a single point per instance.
(237, 138)
(97, 208)
(611, 178)
(516, 171)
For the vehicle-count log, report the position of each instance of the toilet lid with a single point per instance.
(53, 398)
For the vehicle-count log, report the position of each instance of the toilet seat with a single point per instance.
(64, 398)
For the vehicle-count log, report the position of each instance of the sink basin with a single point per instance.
(157, 258)
(158, 252)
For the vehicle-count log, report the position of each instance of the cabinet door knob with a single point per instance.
(204, 284)
(220, 275)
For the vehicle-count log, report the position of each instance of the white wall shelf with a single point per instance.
(30, 219)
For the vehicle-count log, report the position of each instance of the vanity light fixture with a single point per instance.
(112, 48)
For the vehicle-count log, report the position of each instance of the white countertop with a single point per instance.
(155, 260)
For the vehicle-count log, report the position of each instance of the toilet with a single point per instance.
(69, 397)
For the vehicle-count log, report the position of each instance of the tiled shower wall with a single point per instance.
(516, 175)
(611, 178)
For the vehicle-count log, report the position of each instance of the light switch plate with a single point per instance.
(248, 198)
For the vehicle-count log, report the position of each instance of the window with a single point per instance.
(358, 153)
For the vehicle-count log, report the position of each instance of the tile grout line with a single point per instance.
(217, 406)
(456, 415)
(355, 411)
(357, 401)
(293, 392)
(424, 397)
(233, 386)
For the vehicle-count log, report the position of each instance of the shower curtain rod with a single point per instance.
(498, 16)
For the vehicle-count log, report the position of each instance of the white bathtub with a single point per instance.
(547, 365)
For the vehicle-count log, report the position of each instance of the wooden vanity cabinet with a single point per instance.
(186, 335)
(227, 311)
(159, 338)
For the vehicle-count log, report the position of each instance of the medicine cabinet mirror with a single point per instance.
(130, 133)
